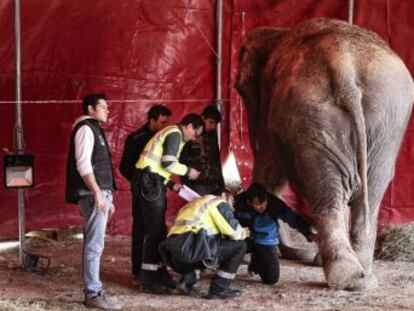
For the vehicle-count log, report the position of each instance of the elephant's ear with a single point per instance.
(254, 54)
(252, 58)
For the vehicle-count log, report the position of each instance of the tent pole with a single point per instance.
(18, 129)
(350, 11)
(219, 35)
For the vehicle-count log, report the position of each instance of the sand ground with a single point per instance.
(301, 287)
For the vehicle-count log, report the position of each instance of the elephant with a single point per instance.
(328, 104)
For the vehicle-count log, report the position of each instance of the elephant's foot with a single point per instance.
(343, 272)
(369, 281)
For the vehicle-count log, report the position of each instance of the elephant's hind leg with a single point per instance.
(328, 195)
(341, 265)
(363, 243)
(379, 176)
(384, 137)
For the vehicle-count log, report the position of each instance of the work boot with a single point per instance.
(220, 289)
(165, 278)
(151, 283)
(227, 293)
(103, 301)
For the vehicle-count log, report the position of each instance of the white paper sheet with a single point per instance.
(188, 194)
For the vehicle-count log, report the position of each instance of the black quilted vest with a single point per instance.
(101, 163)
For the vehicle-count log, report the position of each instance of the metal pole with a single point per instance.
(219, 35)
(18, 129)
(350, 11)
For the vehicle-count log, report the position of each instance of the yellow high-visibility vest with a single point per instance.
(203, 213)
(152, 155)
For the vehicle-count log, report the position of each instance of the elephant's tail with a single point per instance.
(357, 114)
(349, 97)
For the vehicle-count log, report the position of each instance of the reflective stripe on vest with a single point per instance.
(150, 267)
(198, 215)
(151, 156)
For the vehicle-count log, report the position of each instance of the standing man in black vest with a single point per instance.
(90, 183)
(157, 119)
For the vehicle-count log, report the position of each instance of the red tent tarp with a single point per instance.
(147, 51)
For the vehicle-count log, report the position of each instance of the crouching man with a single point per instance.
(205, 234)
(259, 211)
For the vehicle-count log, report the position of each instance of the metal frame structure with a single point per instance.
(18, 128)
(219, 60)
(350, 12)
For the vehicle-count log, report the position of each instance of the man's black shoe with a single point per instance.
(227, 293)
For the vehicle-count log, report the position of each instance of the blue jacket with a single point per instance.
(264, 228)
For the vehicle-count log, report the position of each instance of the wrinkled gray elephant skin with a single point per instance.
(328, 106)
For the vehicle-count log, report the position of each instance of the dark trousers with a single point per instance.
(155, 231)
(265, 262)
(230, 256)
(137, 235)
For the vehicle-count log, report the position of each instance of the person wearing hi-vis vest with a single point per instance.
(206, 234)
(157, 162)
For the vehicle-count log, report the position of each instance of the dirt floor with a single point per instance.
(301, 287)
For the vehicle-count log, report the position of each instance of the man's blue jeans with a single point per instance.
(93, 241)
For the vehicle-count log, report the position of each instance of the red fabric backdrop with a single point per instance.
(146, 51)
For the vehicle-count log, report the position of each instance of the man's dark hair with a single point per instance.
(193, 119)
(256, 191)
(91, 99)
(158, 110)
(211, 112)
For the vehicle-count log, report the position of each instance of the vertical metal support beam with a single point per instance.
(219, 36)
(350, 11)
(18, 129)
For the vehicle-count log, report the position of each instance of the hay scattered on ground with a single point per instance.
(24, 305)
(396, 243)
(301, 286)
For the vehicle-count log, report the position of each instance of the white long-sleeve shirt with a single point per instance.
(84, 142)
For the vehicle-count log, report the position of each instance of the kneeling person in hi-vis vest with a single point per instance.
(157, 162)
(205, 233)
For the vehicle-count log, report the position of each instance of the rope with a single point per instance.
(199, 30)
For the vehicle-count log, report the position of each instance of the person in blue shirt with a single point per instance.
(259, 210)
